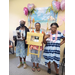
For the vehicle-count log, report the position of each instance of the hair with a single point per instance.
(54, 24)
(23, 21)
(37, 23)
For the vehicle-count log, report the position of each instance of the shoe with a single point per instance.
(25, 66)
(49, 71)
(19, 65)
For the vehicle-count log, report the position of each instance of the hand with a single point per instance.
(14, 38)
(26, 41)
(62, 42)
(42, 42)
(47, 36)
(10, 46)
(23, 38)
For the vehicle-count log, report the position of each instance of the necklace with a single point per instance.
(51, 37)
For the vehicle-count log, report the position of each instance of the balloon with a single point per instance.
(30, 7)
(25, 11)
(55, 6)
(62, 5)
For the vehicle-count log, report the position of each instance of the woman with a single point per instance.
(34, 49)
(21, 46)
(53, 42)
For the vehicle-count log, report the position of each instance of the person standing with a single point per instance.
(21, 46)
(53, 42)
(34, 49)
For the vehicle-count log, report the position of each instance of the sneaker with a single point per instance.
(19, 65)
(25, 66)
(49, 71)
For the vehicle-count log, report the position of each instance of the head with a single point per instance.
(54, 27)
(22, 23)
(37, 26)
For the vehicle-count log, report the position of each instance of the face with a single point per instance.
(53, 28)
(37, 26)
(22, 23)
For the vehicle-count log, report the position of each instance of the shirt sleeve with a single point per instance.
(62, 36)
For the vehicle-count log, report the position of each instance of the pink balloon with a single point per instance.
(25, 11)
(30, 7)
(58, 5)
(55, 6)
(33, 5)
(62, 5)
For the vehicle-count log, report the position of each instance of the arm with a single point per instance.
(46, 36)
(45, 40)
(14, 37)
(63, 41)
(27, 31)
(43, 36)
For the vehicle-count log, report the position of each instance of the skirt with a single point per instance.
(20, 49)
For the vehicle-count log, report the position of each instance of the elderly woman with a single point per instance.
(21, 46)
(34, 49)
(52, 48)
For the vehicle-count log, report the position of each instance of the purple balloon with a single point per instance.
(25, 11)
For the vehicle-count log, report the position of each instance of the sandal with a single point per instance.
(38, 69)
(33, 68)
(19, 65)
(25, 66)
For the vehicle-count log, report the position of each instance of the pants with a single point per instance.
(34, 58)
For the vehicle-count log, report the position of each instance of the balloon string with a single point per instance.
(54, 16)
(56, 0)
(30, 18)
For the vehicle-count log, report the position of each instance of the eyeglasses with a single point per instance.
(37, 25)
(54, 27)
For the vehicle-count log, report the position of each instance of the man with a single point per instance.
(52, 47)
(21, 46)
(34, 49)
